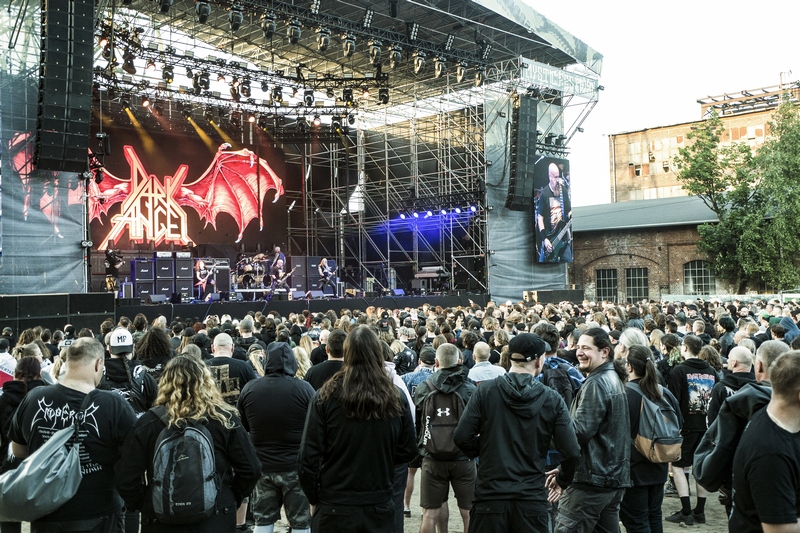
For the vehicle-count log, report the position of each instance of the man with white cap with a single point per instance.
(127, 377)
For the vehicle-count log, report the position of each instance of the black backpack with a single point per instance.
(185, 483)
(560, 381)
(441, 412)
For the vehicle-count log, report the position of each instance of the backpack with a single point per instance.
(441, 412)
(556, 376)
(659, 438)
(185, 483)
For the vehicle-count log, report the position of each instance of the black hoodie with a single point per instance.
(274, 410)
(13, 393)
(140, 394)
(728, 386)
(509, 422)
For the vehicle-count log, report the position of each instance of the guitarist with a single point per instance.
(205, 277)
(325, 275)
(112, 263)
(554, 215)
(277, 275)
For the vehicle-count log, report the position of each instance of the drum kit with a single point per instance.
(252, 272)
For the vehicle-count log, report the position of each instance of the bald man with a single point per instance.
(554, 219)
(740, 364)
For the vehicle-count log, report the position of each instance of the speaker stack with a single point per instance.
(313, 281)
(65, 92)
(298, 281)
(523, 155)
(143, 277)
(184, 276)
(165, 274)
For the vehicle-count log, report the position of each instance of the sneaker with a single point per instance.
(679, 518)
(244, 528)
(700, 518)
(407, 512)
(669, 488)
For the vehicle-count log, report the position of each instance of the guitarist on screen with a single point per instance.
(554, 219)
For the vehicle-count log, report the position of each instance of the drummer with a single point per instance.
(278, 257)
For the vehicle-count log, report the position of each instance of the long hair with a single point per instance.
(303, 361)
(188, 392)
(362, 386)
(643, 366)
(154, 344)
(672, 349)
(710, 355)
(27, 370)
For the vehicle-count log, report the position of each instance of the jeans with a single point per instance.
(586, 511)
(640, 510)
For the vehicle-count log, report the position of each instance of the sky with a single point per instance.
(660, 57)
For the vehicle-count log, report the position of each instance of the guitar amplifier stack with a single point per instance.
(167, 274)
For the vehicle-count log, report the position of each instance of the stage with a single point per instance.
(54, 311)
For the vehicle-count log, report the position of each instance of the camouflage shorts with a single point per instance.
(276, 489)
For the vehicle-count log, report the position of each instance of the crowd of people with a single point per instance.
(529, 412)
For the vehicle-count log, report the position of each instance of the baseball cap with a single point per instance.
(764, 314)
(427, 355)
(121, 341)
(528, 345)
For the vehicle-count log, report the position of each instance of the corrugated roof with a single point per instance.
(678, 211)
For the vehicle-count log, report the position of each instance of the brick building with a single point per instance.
(632, 251)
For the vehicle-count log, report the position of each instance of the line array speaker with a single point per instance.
(523, 154)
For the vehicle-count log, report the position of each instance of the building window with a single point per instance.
(636, 281)
(698, 278)
(606, 284)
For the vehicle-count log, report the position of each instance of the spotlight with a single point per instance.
(448, 44)
(165, 5)
(245, 89)
(317, 120)
(428, 213)
(251, 117)
(157, 109)
(329, 93)
(145, 102)
(419, 61)
(323, 39)
(443, 211)
(150, 66)
(108, 52)
(534, 92)
(347, 97)
(221, 77)
(486, 50)
(187, 111)
(302, 125)
(208, 114)
(412, 29)
(269, 25)
(479, 77)
(203, 11)
(315, 7)
(236, 119)
(203, 80)
(457, 210)
(262, 122)
(294, 31)
(473, 208)
(308, 97)
(336, 125)
(368, 14)
(168, 73)
(461, 70)
(235, 93)
(383, 95)
(277, 94)
(235, 17)
(126, 104)
(365, 92)
(264, 86)
(127, 63)
(560, 140)
(395, 56)
(103, 40)
(348, 44)
(351, 119)
(415, 214)
(549, 138)
(235, 82)
(439, 66)
(375, 49)
(402, 216)
(189, 72)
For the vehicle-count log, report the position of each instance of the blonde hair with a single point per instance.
(307, 344)
(188, 392)
(303, 362)
(254, 359)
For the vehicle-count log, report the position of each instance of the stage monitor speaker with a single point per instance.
(522, 157)
(142, 270)
(214, 297)
(156, 299)
(399, 292)
(315, 295)
(370, 294)
(165, 268)
(184, 268)
(65, 90)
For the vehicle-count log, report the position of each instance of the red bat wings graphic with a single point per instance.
(236, 182)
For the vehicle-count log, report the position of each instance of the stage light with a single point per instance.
(294, 31)
(419, 61)
(365, 92)
(415, 214)
(108, 52)
(203, 80)
(601, 88)
(294, 91)
(317, 120)
(302, 125)
(103, 40)
(245, 89)
(368, 14)
(269, 26)
(412, 29)
(235, 93)
(145, 102)
(402, 216)
(235, 17)
(187, 111)
(189, 72)
(448, 44)
(208, 114)
(315, 7)
(443, 211)
(347, 97)
(308, 97)
(126, 104)
(251, 118)
(395, 56)
(329, 93)
(534, 92)
(168, 73)
(457, 210)
(348, 44)
(221, 77)
(165, 5)
(336, 125)
(486, 50)
(264, 86)
(351, 119)
(203, 11)
(375, 49)
(235, 82)
(560, 140)
(150, 66)
(479, 77)
(383, 95)
(549, 138)
(263, 122)
(428, 213)
(439, 66)
(461, 70)
(473, 208)
(236, 119)
(127, 63)
(277, 94)
(157, 109)
(323, 39)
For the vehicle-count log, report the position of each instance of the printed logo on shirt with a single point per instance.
(49, 416)
(699, 387)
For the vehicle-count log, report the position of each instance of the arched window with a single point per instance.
(698, 278)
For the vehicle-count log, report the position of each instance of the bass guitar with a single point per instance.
(281, 281)
(558, 242)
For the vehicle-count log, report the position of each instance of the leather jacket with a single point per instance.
(602, 424)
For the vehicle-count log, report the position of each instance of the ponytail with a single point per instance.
(639, 357)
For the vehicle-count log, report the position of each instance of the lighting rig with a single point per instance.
(468, 202)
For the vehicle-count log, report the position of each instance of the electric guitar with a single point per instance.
(281, 281)
(203, 282)
(558, 242)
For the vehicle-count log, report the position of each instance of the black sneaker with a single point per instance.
(407, 512)
(679, 518)
(244, 528)
(700, 518)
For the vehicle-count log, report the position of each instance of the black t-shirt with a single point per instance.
(231, 375)
(691, 383)
(319, 355)
(108, 419)
(317, 375)
(766, 476)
